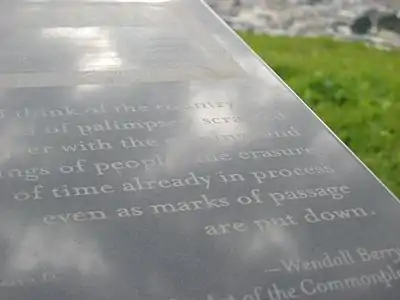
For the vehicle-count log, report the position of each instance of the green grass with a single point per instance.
(354, 89)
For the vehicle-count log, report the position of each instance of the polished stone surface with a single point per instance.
(147, 153)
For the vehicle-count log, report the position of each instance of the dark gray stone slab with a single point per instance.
(147, 153)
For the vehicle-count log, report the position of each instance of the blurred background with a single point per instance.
(342, 57)
(377, 22)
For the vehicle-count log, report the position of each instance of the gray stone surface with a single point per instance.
(148, 154)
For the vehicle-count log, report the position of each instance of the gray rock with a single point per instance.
(390, 22)
(362, 25)
(363, 20)
(313, 2)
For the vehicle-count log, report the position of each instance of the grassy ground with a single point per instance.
(354, 89)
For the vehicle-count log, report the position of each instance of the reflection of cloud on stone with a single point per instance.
(214, 94)
(60, 250)
(158, 284)
(268, 98)
(327, 147)
(100, 53)
(9, 225)
(78, 35)
(8, 134)
(81, 91)
(323, 142)
(191, 142)
(271, 239)
(253, 67)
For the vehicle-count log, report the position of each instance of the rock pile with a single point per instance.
(372, 21)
